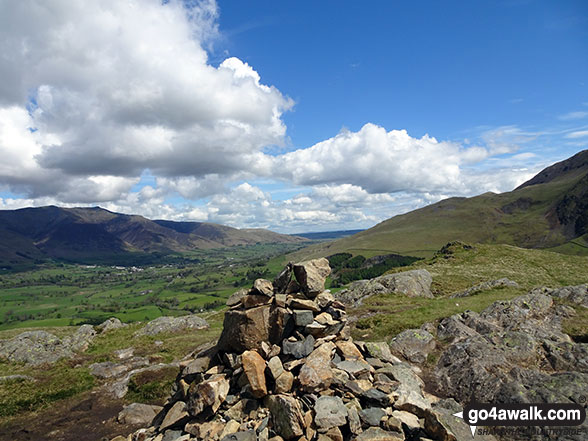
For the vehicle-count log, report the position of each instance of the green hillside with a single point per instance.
(548, 212)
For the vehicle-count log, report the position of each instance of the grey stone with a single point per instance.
(303, 317)
(378, 434)
(286, 416)
(138, 413)
(414, 283)
(248, 435)
(414, 345)
(172, 324)
(330, 412)
(372, 416)
(110, 324)
(298, 349)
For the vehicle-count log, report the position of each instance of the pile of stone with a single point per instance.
(286, 368)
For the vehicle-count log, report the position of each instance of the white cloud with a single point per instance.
(121, 86)
(577, 134)
(573, 115)
(379, 161)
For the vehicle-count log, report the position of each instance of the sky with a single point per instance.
(296, 116)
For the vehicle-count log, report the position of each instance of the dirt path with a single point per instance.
(86, 417)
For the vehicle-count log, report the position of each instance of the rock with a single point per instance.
(414, 345)
(194, 367)
(575, 294)
(372, 416)
(409, 419)
(248, 435)
(298, 349)
(330, 412)
(108, 369)
(253, 300)
(175, 416)
(245, 329)
(110, 324)
(231, 427)
(403, 374)
(124, 354)
(377, 434)
(137, 413)
(237, 297)
(263, 287)
(348, 350)
(286, 416)
(414, 283)
(172, 324)
(381, 350)
(412, 401)
(376, 397)
(442, 425)
(210, 393)
(303, 317)
(324, 299)
(354, 421)
(354, 367)
(310, 305)
(284, 382)
(82, 338)
(491, 284)
(283, 279)
(316, 373)
(311, 275)
(275, 367)
(254, 367)
(39, 347)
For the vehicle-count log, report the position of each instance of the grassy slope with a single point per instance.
(478, 219)
(382, 317)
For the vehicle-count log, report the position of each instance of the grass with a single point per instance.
(480, 219)
(382, 317)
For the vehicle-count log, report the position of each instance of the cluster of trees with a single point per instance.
(347, 268)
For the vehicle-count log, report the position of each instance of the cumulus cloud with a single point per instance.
(380, 161)
(111, 88)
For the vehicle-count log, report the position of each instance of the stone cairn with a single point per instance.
(286, 368)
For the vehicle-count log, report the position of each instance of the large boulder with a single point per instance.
(172, 324)
(414, 283)
(41, 347)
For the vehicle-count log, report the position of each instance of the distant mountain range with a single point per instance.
(32, 235)
(550, 211)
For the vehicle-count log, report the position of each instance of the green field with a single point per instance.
(64, 295)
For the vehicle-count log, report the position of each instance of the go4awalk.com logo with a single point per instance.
(509, 415)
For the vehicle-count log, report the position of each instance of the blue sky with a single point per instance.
(293, 116)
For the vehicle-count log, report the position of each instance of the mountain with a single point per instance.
(549, 211)
(32, 235)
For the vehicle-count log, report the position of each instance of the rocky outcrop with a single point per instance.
(299, 376)
(40, 347)
(172, 324)
(490, 284)
(514, 352)
(414, 283)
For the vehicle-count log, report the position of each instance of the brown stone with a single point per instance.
(316, 373)
(208, 394)
(253, 300)
(284, 382)
(334, 433)
(175, 416)
(311, 275)
(254, 367)
(245, 329)
(348, 350)
(263, 287)
(295, 303)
